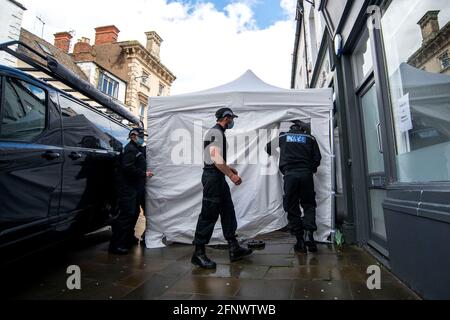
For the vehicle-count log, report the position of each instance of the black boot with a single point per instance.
(300, 246)
(236, 251)
(310, 242)
(133, 241)
(201, 260)
(120, 250)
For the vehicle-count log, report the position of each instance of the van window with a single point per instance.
(120, 133)
(24, 111)
(84, 128)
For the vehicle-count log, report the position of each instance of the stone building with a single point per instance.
(433, 55)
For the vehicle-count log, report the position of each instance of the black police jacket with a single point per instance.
(297, 151)
(214, 137)
(133, 165)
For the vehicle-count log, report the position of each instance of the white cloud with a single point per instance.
(204, 47)
(241, 15)
(290, 7)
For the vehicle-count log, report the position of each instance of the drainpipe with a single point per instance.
(306, 49)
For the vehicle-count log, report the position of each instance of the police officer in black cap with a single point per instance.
(299, 159)
(132, 175)
(216, 194)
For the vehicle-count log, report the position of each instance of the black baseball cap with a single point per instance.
(225, 112)
(137, 131)
(302, 125)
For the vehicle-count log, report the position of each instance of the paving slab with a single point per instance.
(275, 272)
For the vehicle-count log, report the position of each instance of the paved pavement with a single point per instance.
(274, 273)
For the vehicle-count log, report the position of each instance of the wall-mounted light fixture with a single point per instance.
(338, 45)
(142, 77)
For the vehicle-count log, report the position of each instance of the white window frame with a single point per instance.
(161, 89)
(444, 60)
(112, 86)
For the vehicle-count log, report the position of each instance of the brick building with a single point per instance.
(126, 70)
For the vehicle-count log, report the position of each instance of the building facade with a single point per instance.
(433, 54)
(127, 70)
(387, 62)
(11, 15)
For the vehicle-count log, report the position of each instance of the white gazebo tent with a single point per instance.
(176, 128)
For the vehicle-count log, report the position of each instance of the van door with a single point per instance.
(31, 160)
(88, 166)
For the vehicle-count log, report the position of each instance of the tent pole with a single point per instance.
(333, 177)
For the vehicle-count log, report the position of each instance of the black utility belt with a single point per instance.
(297, 170)
(212, 171)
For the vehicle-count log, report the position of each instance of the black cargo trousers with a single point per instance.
(299, 190)
(130, 201)
(216, 202)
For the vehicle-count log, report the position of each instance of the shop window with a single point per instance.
(377, 197)
(362, 59)
(23, 112)
(419, 89)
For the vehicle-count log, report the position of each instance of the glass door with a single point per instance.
(375, 165)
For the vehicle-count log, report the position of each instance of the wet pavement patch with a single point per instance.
(167, 274)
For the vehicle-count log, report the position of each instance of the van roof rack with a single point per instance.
(46, 68)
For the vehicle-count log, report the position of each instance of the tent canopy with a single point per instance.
(248, 82)
(176, 127)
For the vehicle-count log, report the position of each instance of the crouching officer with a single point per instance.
(216, 194)
(299, 159)
(132, 175)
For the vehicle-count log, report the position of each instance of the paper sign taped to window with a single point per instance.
(404, 120)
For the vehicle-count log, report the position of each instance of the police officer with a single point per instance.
(216, 194)
(299, 159)
(132, 175)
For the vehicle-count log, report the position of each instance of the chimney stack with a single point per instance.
(62, 41)
(82, 50)
(429, 25)
(106, 35)
(153, 43)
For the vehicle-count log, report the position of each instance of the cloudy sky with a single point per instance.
(206, 42)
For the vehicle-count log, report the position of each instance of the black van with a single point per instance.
(57, 162)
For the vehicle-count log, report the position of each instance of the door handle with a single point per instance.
(75, 156)
(380, 144)
(51, 155)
